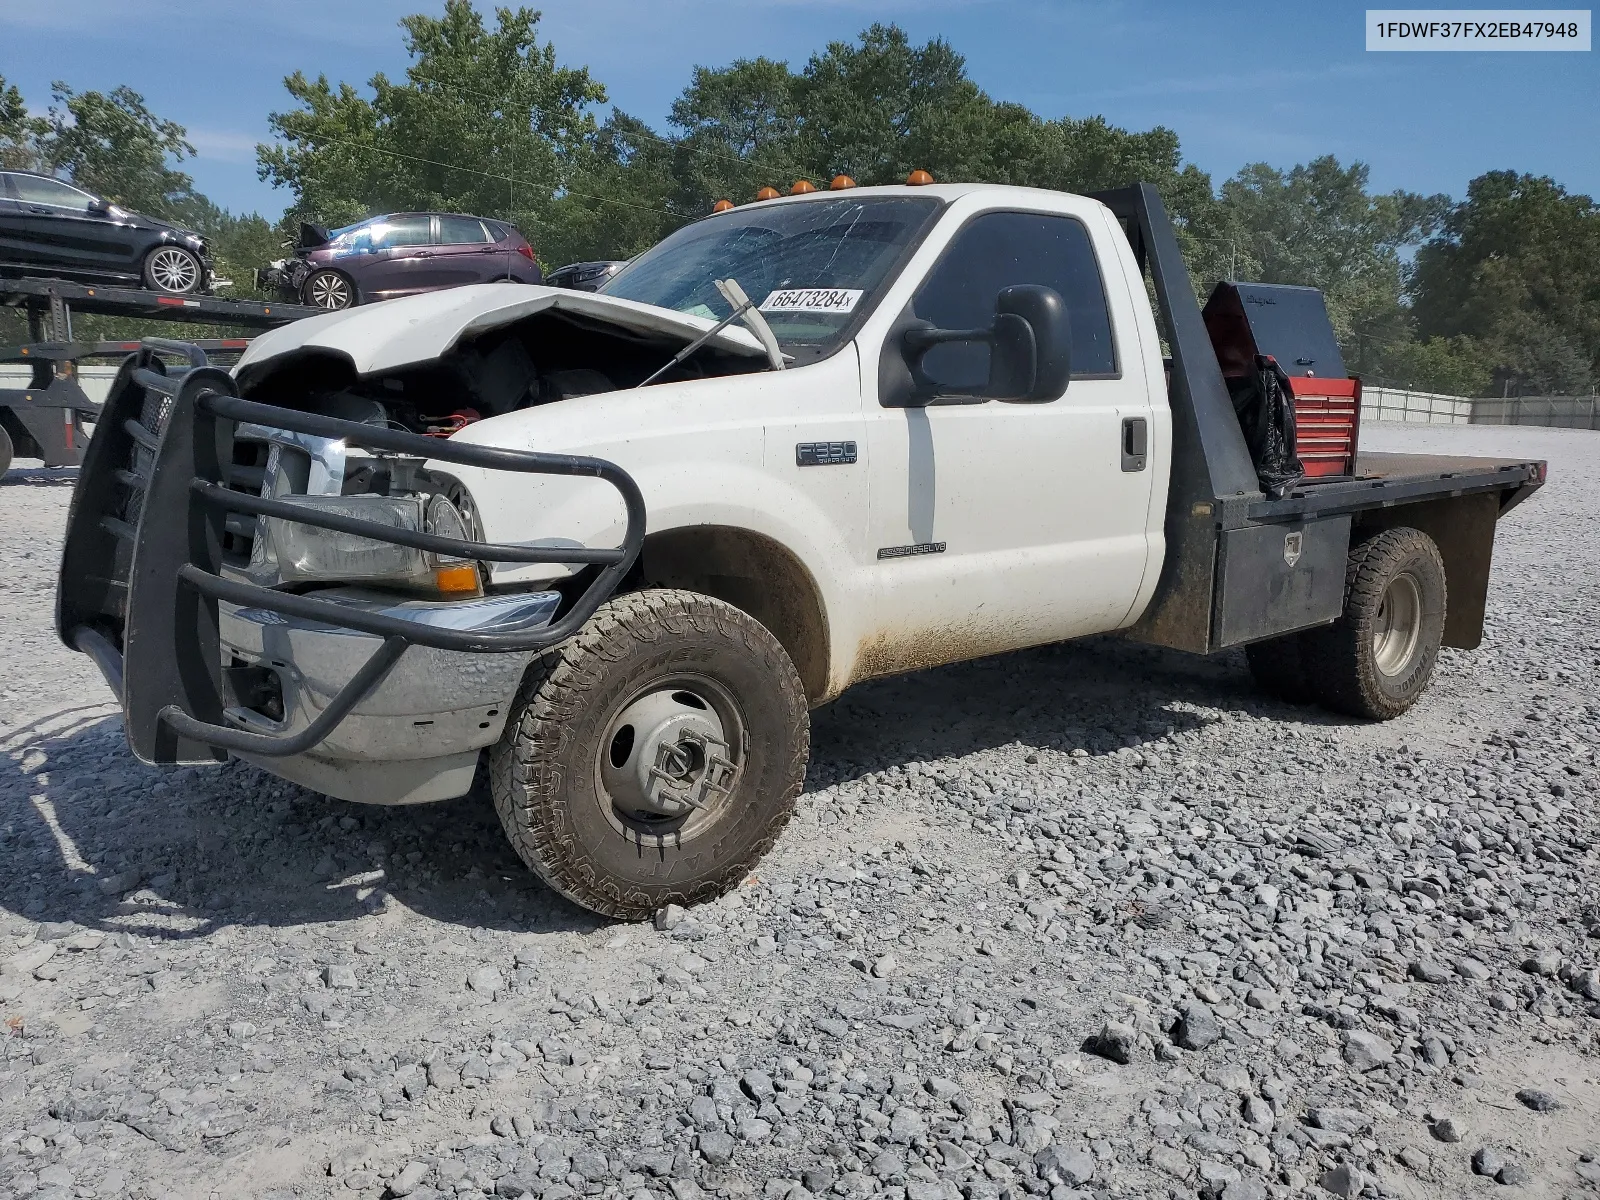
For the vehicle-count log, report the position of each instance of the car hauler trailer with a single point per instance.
(46, 418)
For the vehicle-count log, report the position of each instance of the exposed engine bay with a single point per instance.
(549, 356)
(432, 365)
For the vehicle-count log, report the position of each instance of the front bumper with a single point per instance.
(416, 735)
(282, 278)
(368, 686)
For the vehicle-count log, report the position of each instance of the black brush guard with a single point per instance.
(141, 569)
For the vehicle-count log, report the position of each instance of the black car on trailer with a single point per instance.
(49, 227)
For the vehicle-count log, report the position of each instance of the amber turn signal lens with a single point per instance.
(767, 193)
(457, 579)
(840, 182)
(722, 206)
(918, 178)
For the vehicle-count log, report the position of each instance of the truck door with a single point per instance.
(1006, 524)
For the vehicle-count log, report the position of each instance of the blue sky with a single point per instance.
(1239, 82)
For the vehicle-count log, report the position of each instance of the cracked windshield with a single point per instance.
(811, 266)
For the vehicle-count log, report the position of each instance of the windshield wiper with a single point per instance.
(744, 309)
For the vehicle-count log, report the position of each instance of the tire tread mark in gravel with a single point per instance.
(1338, 660)
(528, 767)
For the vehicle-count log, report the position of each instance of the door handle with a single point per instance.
(1135, 443)
(423, 254)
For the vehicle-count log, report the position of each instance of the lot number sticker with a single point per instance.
(823, 300)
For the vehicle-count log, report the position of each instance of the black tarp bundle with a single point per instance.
(1265, 409)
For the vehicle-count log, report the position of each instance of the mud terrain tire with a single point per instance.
(1378, 658)
(683, 661)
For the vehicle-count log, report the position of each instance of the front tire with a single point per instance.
(653, 757)
(1378, 658)
(6, 451)
(330, 290)
(173, 270)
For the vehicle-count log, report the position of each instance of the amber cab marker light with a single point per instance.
(840, 182)
(767, 193)
(722, 206)
(801, 187)
(918, 179)
(457, 579)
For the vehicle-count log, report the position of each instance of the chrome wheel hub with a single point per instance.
(330, 291)
(1398, 628)
(668, 757)
(174, 271)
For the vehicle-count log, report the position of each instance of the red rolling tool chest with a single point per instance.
(1290, 324)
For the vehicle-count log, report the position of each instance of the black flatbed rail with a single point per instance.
(1383, 480)
(1242, 567)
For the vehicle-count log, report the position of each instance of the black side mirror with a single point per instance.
(99, 207)
(1031, 357)
(1030, 352)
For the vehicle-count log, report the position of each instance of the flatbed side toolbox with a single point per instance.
(1279, 578)
(1290, 324)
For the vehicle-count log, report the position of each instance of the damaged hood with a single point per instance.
(396, 333)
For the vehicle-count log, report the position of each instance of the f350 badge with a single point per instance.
(824, 454)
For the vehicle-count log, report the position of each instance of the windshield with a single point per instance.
(811, 267)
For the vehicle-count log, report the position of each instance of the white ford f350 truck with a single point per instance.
(608, 550)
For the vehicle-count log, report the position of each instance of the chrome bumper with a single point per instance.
(415, 737)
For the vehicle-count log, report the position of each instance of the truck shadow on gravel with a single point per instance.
(92, 837)
(1099, 695)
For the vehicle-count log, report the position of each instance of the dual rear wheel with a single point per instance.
(1378, 658)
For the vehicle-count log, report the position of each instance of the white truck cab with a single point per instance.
(615, 546)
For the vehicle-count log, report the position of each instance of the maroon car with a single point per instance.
(399, 254)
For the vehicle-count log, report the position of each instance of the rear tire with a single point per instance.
(667, 679)
(1378, 658)
(173, 270)
(6, 451)
(1278, 670)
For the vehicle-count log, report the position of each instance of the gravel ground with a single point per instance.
(1094, 920)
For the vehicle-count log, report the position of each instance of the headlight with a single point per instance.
(308, 554)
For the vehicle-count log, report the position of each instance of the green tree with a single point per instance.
(739, 132)
(1455, 366)
(1318, 225)
(879, 108)
(19, 132)
(112, 144)
(485, 122)
(1516, 267)
(619, 198)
